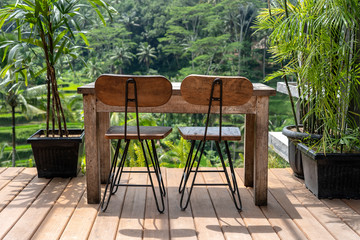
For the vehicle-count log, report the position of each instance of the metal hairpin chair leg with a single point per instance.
(162, 191)
(232, 187)
(155, 162)
(114, 175)
(186, 168)
(114, 178)
(187, 176)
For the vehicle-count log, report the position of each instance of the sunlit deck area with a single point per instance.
(33, 208)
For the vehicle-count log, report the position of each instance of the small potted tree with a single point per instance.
(51, 26)
(317, 42)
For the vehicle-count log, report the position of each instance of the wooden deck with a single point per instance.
(33, 208)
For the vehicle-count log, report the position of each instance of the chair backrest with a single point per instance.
(152, 91)
(195, 89)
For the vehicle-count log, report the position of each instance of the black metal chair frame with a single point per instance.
(113, 181)
(233, 187)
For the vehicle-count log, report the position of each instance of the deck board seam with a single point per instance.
(27, 207)
(144, 214)
(8, 180)
(69, 218)
(304, 205)
(49, 210)
(285, 193)
(351, 206)
(122, 206)
(342, 219)
(293, 219)
(212, 204)
(252, 195)
(323, 205)
(239, 180)
(72, 212)
(167, 199)
(127, 178)
(192, 214)
(18, 192)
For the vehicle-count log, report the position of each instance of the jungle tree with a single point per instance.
(50, 25)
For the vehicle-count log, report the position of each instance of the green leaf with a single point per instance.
(40, 72)
(24, 72)
(37, 8)
(60, 50)
(60, 36)
(16, 78)
(84, 38)
(5, 70)
(29, 3)
(7, 43)
(3, 19)
(33, 41)
(13, 51)
(5, 51)
(100, 16)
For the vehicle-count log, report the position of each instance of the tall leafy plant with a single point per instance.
(14, 94)
(50, 25)
(317, 43)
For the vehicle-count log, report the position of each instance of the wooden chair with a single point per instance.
(215, 92)
(133, 92)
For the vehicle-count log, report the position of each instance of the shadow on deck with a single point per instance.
(33, 208)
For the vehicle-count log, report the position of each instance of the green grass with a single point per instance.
(19, 147)
(20, 126)
(71, 88)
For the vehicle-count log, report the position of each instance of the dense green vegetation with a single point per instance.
(173, 38)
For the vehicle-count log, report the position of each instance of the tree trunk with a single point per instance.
(240, 47)
(13, 135)
(192, 61)
(264, 59)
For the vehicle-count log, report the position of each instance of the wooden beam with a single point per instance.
(91, 149)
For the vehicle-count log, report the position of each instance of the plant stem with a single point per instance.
(291, 101)
(13, 135)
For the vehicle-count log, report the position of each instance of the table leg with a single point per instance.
(104, 145)
(261, 150)
(249, 144)
(91, 149)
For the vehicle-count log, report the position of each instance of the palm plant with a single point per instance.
(93, 68)
(50, 25)
(317, 42)
(14, 95)
(178, 152)
(121, 56)
(145, 54)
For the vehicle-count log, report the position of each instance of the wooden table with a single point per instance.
(97, 121)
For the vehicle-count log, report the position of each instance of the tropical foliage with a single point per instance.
(169, 37)
(50, 25)
(317, 43)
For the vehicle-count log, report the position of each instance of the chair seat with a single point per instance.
(197, 133)
(146, 132)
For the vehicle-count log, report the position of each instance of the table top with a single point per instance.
(259, 89)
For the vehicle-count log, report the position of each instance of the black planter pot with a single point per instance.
(334, 175)
(294, 154)
(57, 156)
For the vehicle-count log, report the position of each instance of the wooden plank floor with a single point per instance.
(33, 208)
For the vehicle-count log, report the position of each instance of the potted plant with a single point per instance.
(317, 43)
(295, 135)
(51, 26)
